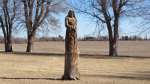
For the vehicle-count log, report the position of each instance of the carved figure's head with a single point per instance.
(71, 13)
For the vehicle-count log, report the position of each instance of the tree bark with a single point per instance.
(30, 41)
(112, 48)
(71, 71)
(8, 44)
(71, 56)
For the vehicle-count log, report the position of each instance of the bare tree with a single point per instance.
(36, 13)
(107, 12)
(8, 13)
(142, 11)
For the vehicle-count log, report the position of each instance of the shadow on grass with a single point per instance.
(95, 56)
(127, 76)
(20, 78)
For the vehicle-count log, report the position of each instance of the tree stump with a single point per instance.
(71, 48)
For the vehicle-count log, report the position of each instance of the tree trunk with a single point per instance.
(7, 37)
(112, 42)
(116, 35)
(8, 45)
(112, 48)
(113, 36)
(71, 56)
(30, 41)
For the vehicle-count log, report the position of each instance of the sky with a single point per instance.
(87, 27)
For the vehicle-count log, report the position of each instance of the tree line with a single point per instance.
(32, 15)
(35, 15)
(19, 40)
(109, 12)
(122, 38)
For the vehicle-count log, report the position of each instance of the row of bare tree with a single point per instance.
(35, 14)
(108, 13)
(29, 14)
(32, 14)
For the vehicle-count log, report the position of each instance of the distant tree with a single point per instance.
(107, 12)
(90, 38)
(7, 16)
(124, 38)
(132, 38)
(60, 37)
(38, 13)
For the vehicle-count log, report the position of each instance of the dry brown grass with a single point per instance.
(46, 64)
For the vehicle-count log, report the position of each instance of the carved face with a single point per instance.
(71, 13)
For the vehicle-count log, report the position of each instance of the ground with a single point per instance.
(45, 64)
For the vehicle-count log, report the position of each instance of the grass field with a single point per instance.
(45, 64)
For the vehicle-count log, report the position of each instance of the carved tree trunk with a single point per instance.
(71, 55)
